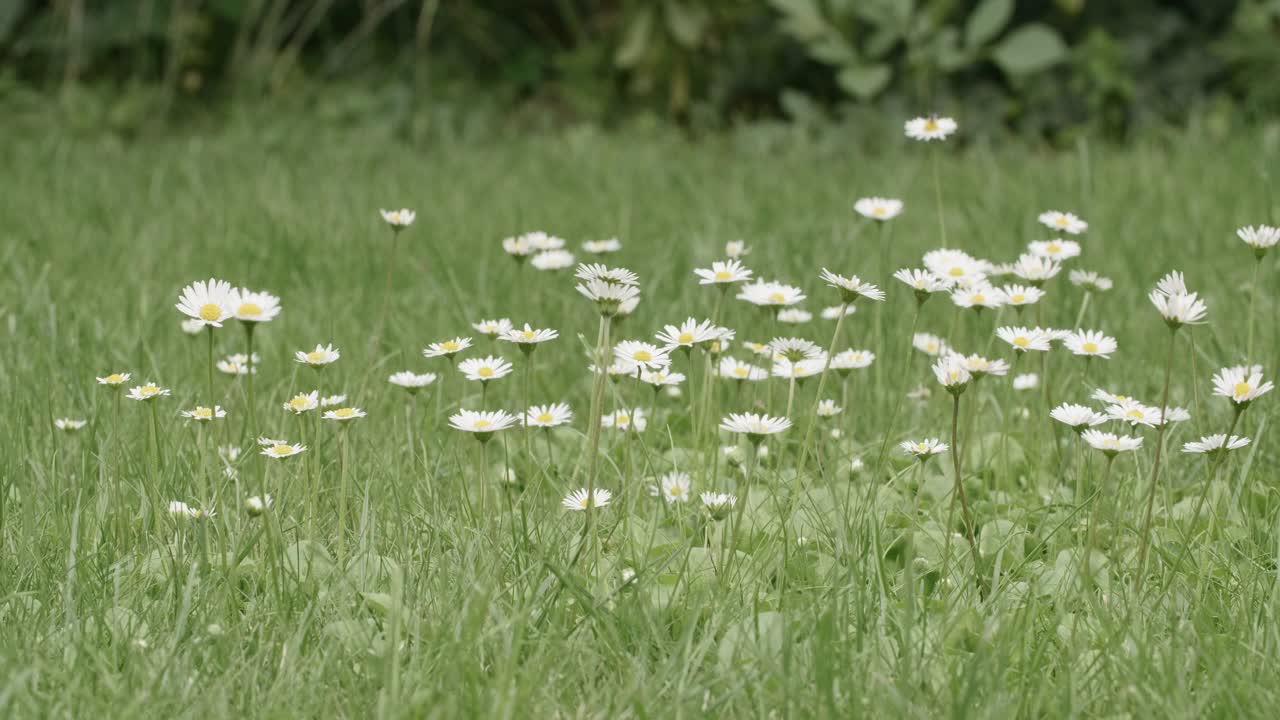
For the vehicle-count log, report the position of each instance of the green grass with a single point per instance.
(107, 609)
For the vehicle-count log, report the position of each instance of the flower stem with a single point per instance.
(937, 195)
(817, 399)
(593, 426)
(1253, 304)
(210, 399)
(1145, 541)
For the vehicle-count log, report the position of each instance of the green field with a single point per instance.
(457, 594)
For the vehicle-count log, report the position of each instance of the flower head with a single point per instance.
(931, 345)
(411, 381)
(183, 511)
(192, 327)
(254, 307)
(1063, 222)
(204, 414)
(637, 353)
(978, 296)
(398, 219)
(600, 247)
(1036, 269)
(1077, 417)
(114, 379)
(1175, 304)
(661, 378)
(209, 303)
(1055, 249)
(952, 374)
(754, 426)
(344, 414)
(582, 499)
(321, 356)
(147, 391)
(483, 424)
(723, 273)
(1242, 384)
(794, 349)
(930, 128)
(553, 260)
(798, 316)
(528, 336)
(717, 504)
(923, 449)
(770, 294)
(1261, 238)
(831, 312)
(69, 425)
(848, 360)
(1135, 413)
(1214, 444)
(485, 369)
(280, 449)
(851, 288)
(257, 504)
(1020, 296)
(303, 402)
(1090, 343)
(1109, 443)
(548, 416)
(828, 408)
(492, 328)
(734, 369)
(923, 282)
(878, 208)
(624, 419)
(1089, 280)
(676, 487)
(688, 334)
(1026, 381)
(1023, 339)
(446, 348)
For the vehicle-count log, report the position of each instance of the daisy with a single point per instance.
(192, 327)
(1214, 444)
(582, 499)
(793, 348)
(204, 414)
(661, 378)
(552, 260)
(931, 345)
(210, 302)
(1109, 443)
(411, 381)
(1077, 417)
(920, 394)
(69, 425)
(828, 408)
(279, 449)
(736, 249)
(1023, 339)
(303, 402)
(114, 379)
(614, 276)
(735, 370)
(688, 334)
(257, 505)
(343, 414)
(147, 391)
(231, 366)
(1261, 238)
(492, 328)
(548, 416)
(318, 358)
(254, 307)
(1242, 384)
(978, 297)
(1090, 343)
(483, 424)
(1034, 269)
(1055, 249)
(183, 511)
(1134, 413)
(717, 504)
(676, 487)
(761, 349)
(754, 426)
(625, 420)
(600, 247)
(1176, 414)
(878, 208)
(796, 316)
(723, 273)
(610, 297)
(1026, 381)
(484, 369)
(1063, 221)
(828, 313)
(770, 294)
(952, 373)
(851, 288)
(1089, 280)
(1021, 295)
(398, 219)
(930, 128)
(923, 282)
(518, 247)
(1177, 306)
(642, 354)
(980, 367)
(331, 400)
(528, 337)
(799, 369)
(923, 449)
(852, 360)
(446, 349)
(955, 267)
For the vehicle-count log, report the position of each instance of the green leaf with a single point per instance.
(801, 18)
(306, 558)
(986, 22)
(635, 41)
(864, 82)
(687, 22)
(1031, 48)
(759, 637)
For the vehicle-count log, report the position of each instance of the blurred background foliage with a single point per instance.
(1048, 68)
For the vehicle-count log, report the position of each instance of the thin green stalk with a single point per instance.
(817, 399)
(1145, 541)
(1253, 305)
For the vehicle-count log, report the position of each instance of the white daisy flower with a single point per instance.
(553, 260)
(411, 381)
(1021, 295)
(761, 349)
(204, 414)
(923, 282)
(1135, 413)
(398, 219)
(1063, 222)
(1110, 443)
(518, 247)
(930, 345)
(661, 378)
(920, 394)
(1056, 249)
(192, 327)
(736, 249)
(69, 425)
(799, 369)
(256, 505)
(548, 416)
(600, 247)
(114, 379)
(851, 288)
(930, 128)
(254, 307)
(723, 273)
(754, 426)
(688, 334)
(794, 348)
(1261, 238)
(1026, 381)
(676, 487)
(610, 297)
(1214, 444)
(828, 313)
(1023, 339)
(878, 208)
(1242, 384)
(1035, 269)
(332, 400)
(492, 328)
(770, 294)
(1090, 343)
(852, 360)
(209, 302)
(828, 408)
(1089, 280)
(527, 336)
(447, 348)
(280, 449)
(183, 511)
(955, 267)
(797, 316)
(587, 272)
(485, 369)
(951, 373)
(1177, 306)
(581, 499)
(1077, 417)
(642, 354)
(923, 449)
(736, 370)
(321, 356)
(624, 420)
(717, 504)
(303, 402)
(978, 296)
(980, 367)
(147, 391)
(483, 424)
(345, 414)
(233, 366)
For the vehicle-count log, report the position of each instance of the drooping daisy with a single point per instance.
(951, 373)
(204, 414)
(756, 427)
(483, 424)
(208, 302)
(582, 499)
(828, 313)
(1023, 339)
(254, 307)
(1261, 238)
(1214, 444)
(411, 381)
(553, 260)
(492, 328)
(624, 420)
(1242, 384)
(527, 337)
(930, 345)
(676, 487)
(69, 425)
(955, 267)
(723, 273)
(735, 370)
(978, 296)
(717, 504)
(1134, 413)
(1089, 280)
(828, 408)
(447, 348)
(642, 354)
(1109, 443)
(851, 288)
(280, 449)
(485, 369)
(1035, 269)
(345, 414)
(848, 360)
(736, 249)
(318, 358)
(303, 402)
(770, 294)
(797, 316)
(1077, 417)
(1177, 306)
(1063, 222)
(1026, 381)
(1058, 250)
(688, 334)
(1090, 343)
(147, 391)
(930, 128)
(878, 208)
(398, 219)
(1020, 296)
(600, 247)
(923, 449)
(332, 400)
(548, 416)
(114, 380)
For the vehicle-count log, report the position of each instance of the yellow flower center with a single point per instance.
(481, 424)
(1242, 388)
(931, 125)
(544, 418)
(643, 356)
(281, 450)
(879, 211)
(723, 275)
(776, 298)
(1054, 247)
(315, 356)
(344, 412)
(1062, 221)
(685, 337)
(1122, 398)
(298, 403)
(623, 419)
(931, 346)
(210, 311)
(252, 309)
(1090, 347)
(956, 271)
(203, 413)
(979, 298)
(449, 346)
(527, 334)
(115, 378)
(1111, 442)
(1021, 341)
(740, 371)
(1135, 413)
(1018, 298)
(485, 372)
(150, 389)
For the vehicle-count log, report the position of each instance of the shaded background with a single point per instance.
(1047, 68)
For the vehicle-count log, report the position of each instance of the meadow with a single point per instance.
(403, 569)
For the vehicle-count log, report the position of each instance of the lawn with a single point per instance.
(455, 584)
